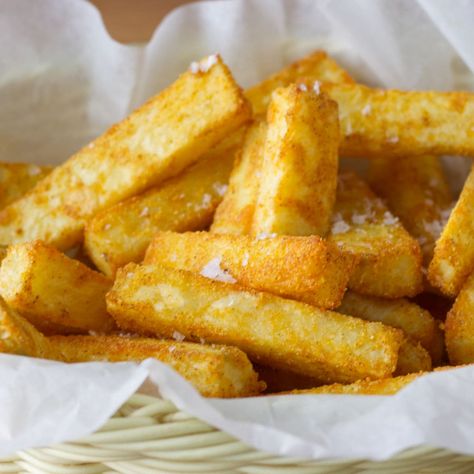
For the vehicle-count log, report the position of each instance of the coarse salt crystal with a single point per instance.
(172, 349)
(130, 274)
(145, 212)
(213, 270)
(194, 67)
(302, 87)
(91, 145)
(317, 87)
(389, 219)
(204, 65)
(220, 188)
(245, 260)
(34, 170)
(340, 227)
(349, 128)
(177, 336)
(359, 219)
(107, 226)
(265, 235)
(367, 109)
(393, 139)
(202, 340)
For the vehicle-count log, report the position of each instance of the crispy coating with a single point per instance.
(216, 371)
(299, 165)
(453, 258)
(319, 270)
(121, 233)
(157, 141)
(459, 326)
(58, 294)
(234, 214)
(18, 336)
(317, 66)
(16, 179)
(391, 123)
(387, 386)
(272, 331)
(390, 259)
(398, 313)
(415, 189)
(412, 358)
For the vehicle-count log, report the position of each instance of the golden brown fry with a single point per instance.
(319, 271)
(18, 336)
(157, 141)
(216, 371)
(299, 166)
(273, 331)
(390, 259)
(57, 294)
(316, 66)
(453, 258)
(459, 326)
(16, 179)
(417, 192)
(388, 386)
(234, 214)
(121, 234)
(392, 123)
(398, 313)
(412, 358)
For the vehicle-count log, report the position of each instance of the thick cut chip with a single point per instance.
(317, 66)
(385, 123)
(459, 326)
(272, 331)
(299, 166)
(416, 322)
(412, 358)
(417, 192)
(19, 337)
(121, 233)
(319, 271)
(54, 292)
(216, 371)
(161, 138)
(235, 213)
(388, 386)
(16, 179)
(453, 258)
(390, 259)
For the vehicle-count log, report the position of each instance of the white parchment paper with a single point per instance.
(63, 80)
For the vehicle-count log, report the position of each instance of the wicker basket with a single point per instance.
(149, 435)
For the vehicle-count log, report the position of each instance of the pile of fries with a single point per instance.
(216, 230)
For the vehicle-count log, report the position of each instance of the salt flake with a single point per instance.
(204, 65)
(220, 188)
(367, 110)
(34, 170)
(245, 260)
(213, 270)
(302, 87)
(145, 212)
(317, 87)
(340, 227)
(393, 139)
(389, 219)
(265, 235)
(177, 336)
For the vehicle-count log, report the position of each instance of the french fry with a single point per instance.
(20, 337)
(317, 66)
(216, 371)
(57, 294)
(280, 333)
(319, 275)
(417, 192)
(387, 386)
(459, 326)
(400, 313)
(453, 258)
(16, 179)
(234, 214)
(121, 233)
(392, 123)
(390, 259)
(157, 141)
(412, 358)
(299, 166)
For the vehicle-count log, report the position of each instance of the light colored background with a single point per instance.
(133, 21)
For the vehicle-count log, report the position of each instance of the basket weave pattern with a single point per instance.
(151, 436)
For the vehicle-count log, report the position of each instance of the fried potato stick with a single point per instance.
(121, 233)
(417, 192)
(280, 333)
(216, 371)
(412, 357)
(57, 294)
(453, 258)
(319, 271)
(157, 141)
(390, 259)
(16, 179)
(299, 166)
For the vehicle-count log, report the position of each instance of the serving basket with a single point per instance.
(149, 435)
